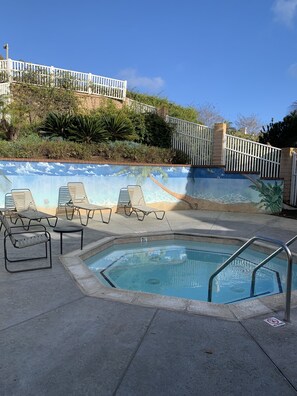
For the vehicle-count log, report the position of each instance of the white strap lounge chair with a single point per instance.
(26, 208)
(80, 202)
(9, 209)
(138, 205)
(20, 239)
(64, 201)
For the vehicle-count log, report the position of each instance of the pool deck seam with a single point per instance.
(266, 354)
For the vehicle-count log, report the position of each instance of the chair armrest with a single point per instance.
(14, 230)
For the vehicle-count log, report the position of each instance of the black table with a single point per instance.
(68, 230)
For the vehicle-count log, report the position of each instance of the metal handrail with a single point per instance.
(244, 247)
(265, 261)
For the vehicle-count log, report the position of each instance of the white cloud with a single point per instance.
(285, 11)
(293, 70)
(152, 84)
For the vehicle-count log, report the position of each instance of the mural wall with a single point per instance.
(167, 187)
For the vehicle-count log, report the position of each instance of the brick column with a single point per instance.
(219, 145)
(286, 171)
(162, 112)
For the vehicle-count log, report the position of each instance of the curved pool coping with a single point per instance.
(91, 286)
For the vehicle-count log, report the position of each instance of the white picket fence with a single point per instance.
(247, 156)
(139, 107)
(193, 139)
(17, 71)
(241, 155)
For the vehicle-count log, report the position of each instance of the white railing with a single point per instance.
(139, 107)
(17, 71)
(247, 156)
(4, 89)
(193, 139)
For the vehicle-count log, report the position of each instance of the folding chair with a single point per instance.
(20, 239)
(138, 205)
(79, 201)
(26, 208)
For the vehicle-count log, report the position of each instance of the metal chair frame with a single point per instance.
(29, 211)
(21, 239)
(81, 203)
(139, 206)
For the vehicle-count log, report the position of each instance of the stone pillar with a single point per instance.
(286, 171)
(162, 112)
(219, 145)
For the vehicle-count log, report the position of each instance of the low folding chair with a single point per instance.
(26, 208)
(80, 202)
(21, 239)
(138, 205)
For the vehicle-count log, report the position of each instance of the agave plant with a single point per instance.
(87, 129)
(118, 127)
(58, 124)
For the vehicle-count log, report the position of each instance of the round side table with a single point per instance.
(68, 230)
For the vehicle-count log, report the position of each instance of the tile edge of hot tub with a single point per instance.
(90, 285)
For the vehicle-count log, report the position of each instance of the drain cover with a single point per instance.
(153, 281)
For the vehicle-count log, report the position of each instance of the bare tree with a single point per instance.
(248, 124)
(209, 115)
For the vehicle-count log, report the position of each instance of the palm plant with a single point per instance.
(58, 124)
(119, 127)
(88, 129)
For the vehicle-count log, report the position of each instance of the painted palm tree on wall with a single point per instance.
(141, 173)
(271, 194)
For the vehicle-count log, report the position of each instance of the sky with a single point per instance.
(239, 56)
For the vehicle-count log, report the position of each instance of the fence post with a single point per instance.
(52, 76)
(162, 112)
(9, 71)
(90, 85)
(124, 90)
(286, 171)
(219, 144)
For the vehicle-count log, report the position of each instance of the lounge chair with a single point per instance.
(138, 205)
(20, 239)
(64, 201)
(26, 208)
(9, 209)
(123, 200)
(79, 202)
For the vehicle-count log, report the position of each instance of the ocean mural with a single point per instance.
(172, 187)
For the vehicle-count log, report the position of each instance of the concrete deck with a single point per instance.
(55, 340)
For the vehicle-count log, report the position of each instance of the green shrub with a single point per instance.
(174, 110)
(87, 129)
(58, 124)
(158, 131)
(118, 151)
(118, 126)
(31, 104)
(282, 133)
